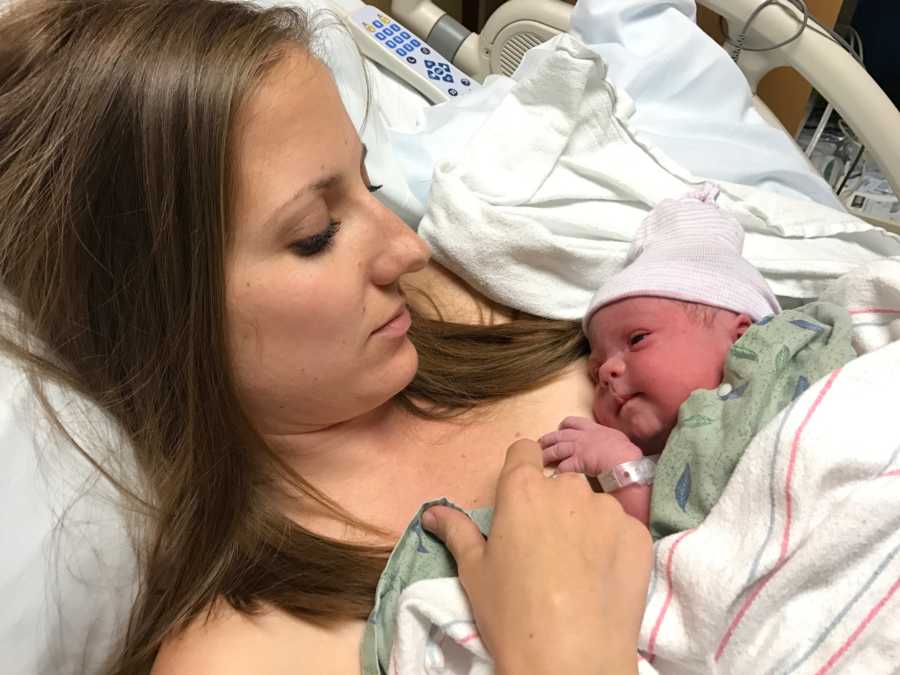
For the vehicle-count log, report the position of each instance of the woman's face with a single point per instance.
(315, 317)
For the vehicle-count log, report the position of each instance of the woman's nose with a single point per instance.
(402, 251)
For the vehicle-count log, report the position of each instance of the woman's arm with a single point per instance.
(560, 585)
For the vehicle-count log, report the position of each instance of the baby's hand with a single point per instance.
(583, 446)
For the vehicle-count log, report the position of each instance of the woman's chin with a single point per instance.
(401, 368)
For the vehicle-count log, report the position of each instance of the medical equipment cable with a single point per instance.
(739, 44)
(808, 21)
(859, 154)
(820, 129)
(854, 47)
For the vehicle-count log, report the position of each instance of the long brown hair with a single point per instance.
(115, 130)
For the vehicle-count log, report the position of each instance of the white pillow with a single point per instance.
(67, 572)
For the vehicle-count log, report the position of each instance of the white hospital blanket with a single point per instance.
(797, 567)
(542, 205)
(691, 101)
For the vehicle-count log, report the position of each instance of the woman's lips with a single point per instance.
(397, 326)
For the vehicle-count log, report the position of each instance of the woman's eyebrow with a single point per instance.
(277, 217)
(321, 185)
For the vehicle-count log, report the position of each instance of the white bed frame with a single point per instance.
(518, 25)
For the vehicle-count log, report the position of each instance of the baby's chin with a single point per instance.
(649, 436)
(642, 428)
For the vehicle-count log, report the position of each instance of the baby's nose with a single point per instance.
(612, 368)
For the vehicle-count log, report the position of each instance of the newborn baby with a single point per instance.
(688, 360)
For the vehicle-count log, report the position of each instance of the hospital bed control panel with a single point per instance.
(403, 53)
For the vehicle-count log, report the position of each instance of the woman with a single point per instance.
(189, 232)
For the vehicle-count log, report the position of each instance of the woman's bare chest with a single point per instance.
(461, 459)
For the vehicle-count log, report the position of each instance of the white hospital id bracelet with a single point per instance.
(636, 472)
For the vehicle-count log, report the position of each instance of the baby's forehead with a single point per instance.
(615, 316)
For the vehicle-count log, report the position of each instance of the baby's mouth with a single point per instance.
(620, 400)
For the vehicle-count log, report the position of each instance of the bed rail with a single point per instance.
(518, 25)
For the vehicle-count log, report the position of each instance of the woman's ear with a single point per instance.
(740, 325)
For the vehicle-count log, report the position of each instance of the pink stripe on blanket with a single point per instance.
(467, 639)
(788, 500)
(896, 472)
(788, 518)
(859, 629)
(651, 643)
(873, 310)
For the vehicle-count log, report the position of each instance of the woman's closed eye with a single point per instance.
(317, 243)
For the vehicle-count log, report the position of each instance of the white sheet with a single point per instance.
(541, 207)
(691, 101)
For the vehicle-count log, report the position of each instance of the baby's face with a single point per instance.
(647, 357)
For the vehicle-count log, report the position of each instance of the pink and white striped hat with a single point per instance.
(689, 249)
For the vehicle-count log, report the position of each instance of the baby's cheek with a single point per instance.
(602, 414)
(596, 409)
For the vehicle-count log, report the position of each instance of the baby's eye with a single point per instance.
(636, 338)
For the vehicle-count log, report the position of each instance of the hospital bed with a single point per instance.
(521, 24)
(67, 592)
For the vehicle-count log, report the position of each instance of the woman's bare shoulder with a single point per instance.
(458, 302)
(269, 643)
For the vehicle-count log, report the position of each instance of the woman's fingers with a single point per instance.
(522, 453)
(532, 618)
(461, 536)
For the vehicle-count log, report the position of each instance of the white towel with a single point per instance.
(542, 206)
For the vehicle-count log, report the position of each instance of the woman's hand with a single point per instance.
(560, 585)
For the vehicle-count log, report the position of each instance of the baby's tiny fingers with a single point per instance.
(570, 465)
(557, 452)
(570, 435)
(581, 423)
(547, 440)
